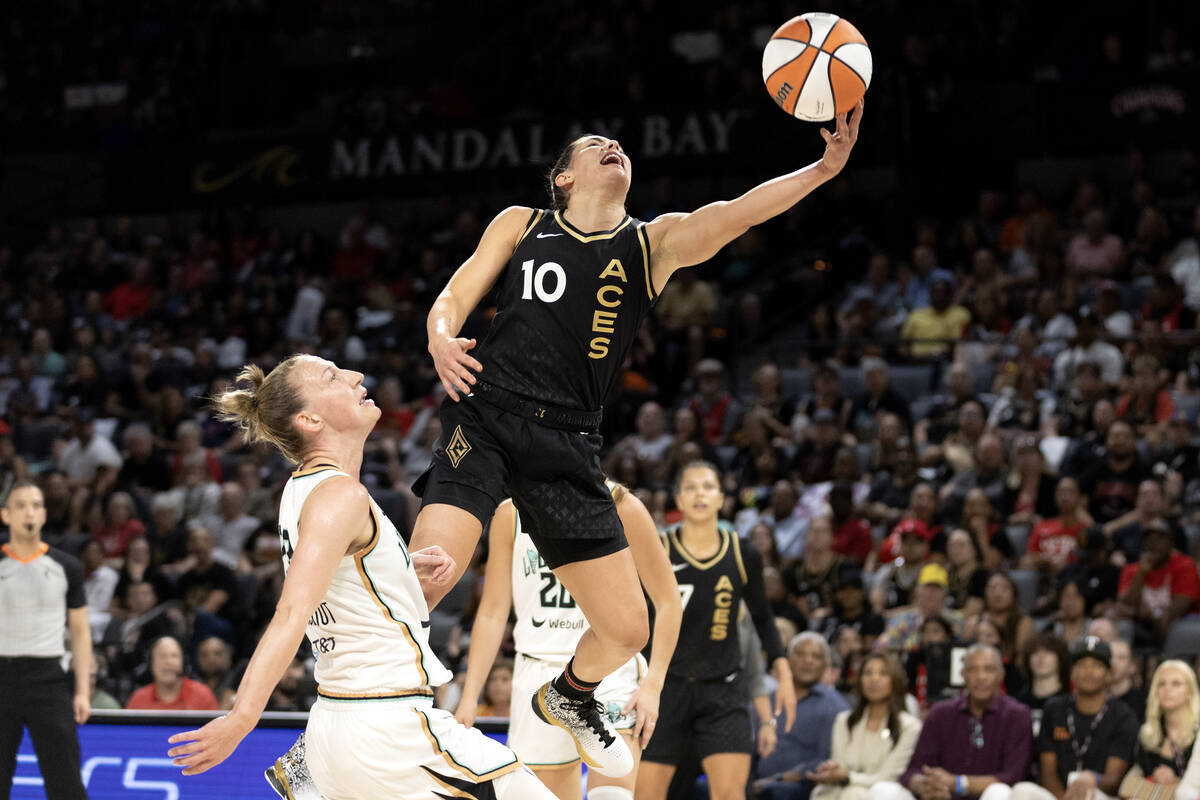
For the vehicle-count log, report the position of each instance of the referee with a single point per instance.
(40, 587)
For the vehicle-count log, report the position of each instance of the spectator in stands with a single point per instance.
(1088, 348)
(1085, 742)
(1166, 741)
(88, 457)
(1046, 663)
(1125, 669)
(991, 541)
(827, 383)
(199, 495)
(496, 696)
(145, 467)
(850, 610)
(812, 582)
(231, 527)
(943, 418)
(1071, 620)
(214, 665)
(1112, 484)
(167, 534)
(783, 775)
(1031, 488)
(874, 742)
(813, 459)
(1116, 320)
(1074, 412)
(768, 405)
(171, 690)
(189, 450)
(1094, 252)
(932, 330)
(716, 409)
(880, 398)
(647, 445)
(919, 286)
(1148, 406)
(1127, 531)
(904, 627)
(967, 578)
(208, 587)
(1055, 330)
(892, 488)
(789, 528)
(762, 536)
(1166, 305)
(258, 497)
(99, 584)
(928, 664)
(990, 474)
(138, 566)
(976, 745)
(1002, 608)
(852, 536)
(895, 584)
(1159, 588)
(120, 526)
(1085, 452)
(1052, 544)
(922, 507)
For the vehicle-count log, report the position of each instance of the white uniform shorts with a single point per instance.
(543, 746)
(398, 748)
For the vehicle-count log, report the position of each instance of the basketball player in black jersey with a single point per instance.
(703, 701)
(520, 420)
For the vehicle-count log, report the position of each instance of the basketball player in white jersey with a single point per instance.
(353, 587)
(549, 624)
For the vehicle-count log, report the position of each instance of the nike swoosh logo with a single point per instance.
(547, 235)
(677, 567)
(537, 623)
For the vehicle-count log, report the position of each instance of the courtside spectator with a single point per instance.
(171, 689)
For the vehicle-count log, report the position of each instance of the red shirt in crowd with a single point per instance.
(194, 696)
(853, 540)
(115, 540)
(1052, 538)
(1177, 576)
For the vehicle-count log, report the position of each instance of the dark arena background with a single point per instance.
(186, 187)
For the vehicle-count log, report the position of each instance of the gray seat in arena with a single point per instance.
(1183, 638)
(911, 380)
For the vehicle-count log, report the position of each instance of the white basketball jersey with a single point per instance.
(369, 633)
(549, 624)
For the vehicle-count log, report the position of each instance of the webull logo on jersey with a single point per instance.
(722, 603)
(609, 296)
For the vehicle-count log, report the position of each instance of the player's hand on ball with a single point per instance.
(206, 747)
(433, 564)
(454, 365)
(839, 143)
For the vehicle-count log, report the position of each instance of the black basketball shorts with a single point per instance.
(485, 454)
(700, 717)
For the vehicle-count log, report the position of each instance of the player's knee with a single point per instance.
(609, 793)
(633, 636)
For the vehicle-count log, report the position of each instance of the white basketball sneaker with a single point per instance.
(598, 743)
(289, 776)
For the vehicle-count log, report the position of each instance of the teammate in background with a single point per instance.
(574, 284)
(703, 698)
(549, 624)
(353, 587)
(41, 587)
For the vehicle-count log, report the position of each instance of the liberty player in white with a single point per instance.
(353, 587)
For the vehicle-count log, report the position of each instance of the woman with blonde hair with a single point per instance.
(1167, 737)
(874, 742)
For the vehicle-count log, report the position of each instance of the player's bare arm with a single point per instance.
(463, 292)
(336, 522)
(683, 240)
(81, 661)
(654, 569)
(492, 615)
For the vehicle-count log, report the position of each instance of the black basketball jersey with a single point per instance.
(569, 306)
(712, 592)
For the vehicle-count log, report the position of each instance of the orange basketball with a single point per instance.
(817, 66)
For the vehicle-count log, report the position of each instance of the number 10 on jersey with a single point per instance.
(535, 281)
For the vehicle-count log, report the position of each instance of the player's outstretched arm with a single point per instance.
(683, 240)
(654, 568)
(490, 620)
(462, 293)
(335, 521)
